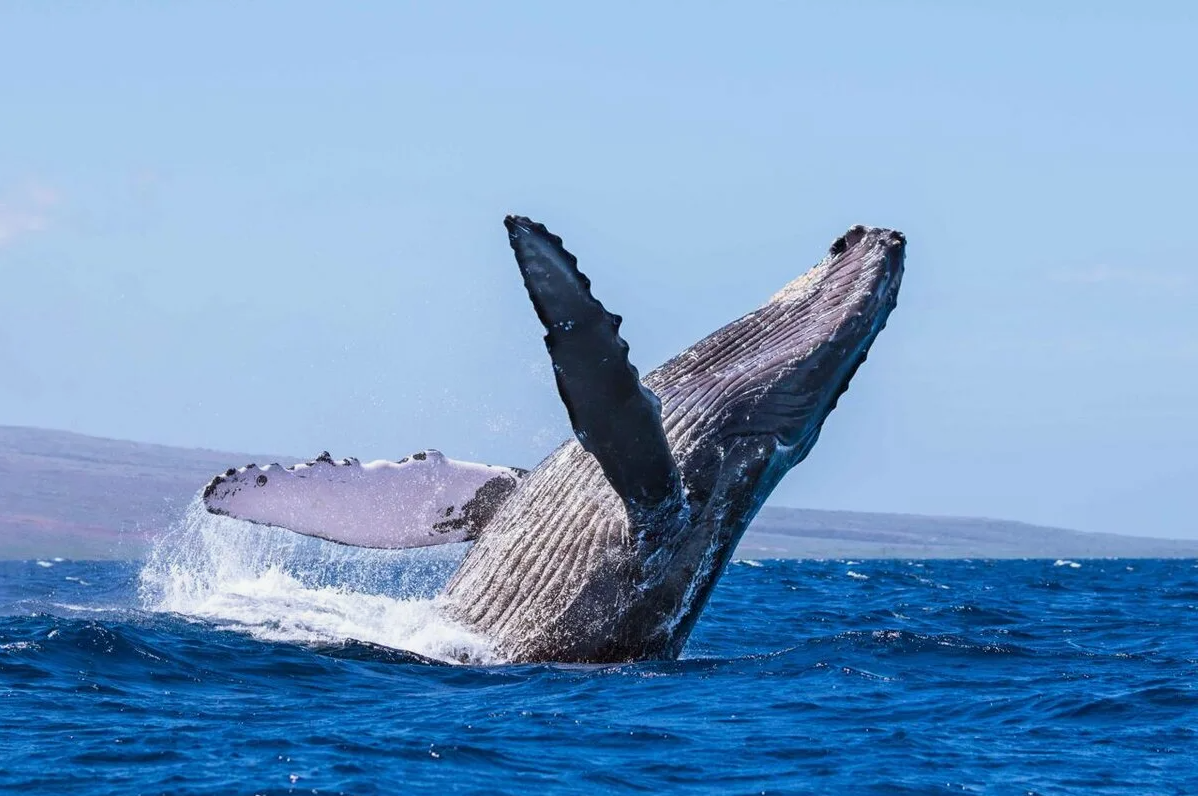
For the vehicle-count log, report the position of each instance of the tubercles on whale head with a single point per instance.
(860, 245)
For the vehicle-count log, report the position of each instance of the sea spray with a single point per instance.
(280, 586)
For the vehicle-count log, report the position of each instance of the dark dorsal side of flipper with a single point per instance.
(615, 417)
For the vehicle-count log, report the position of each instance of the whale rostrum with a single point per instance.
(608, 550)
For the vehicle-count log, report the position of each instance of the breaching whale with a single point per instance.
(608, 550)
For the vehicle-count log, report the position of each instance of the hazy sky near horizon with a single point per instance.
(276, 227)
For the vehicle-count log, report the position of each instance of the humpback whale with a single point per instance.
(608, 550)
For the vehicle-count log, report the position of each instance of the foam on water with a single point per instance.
(279, 586)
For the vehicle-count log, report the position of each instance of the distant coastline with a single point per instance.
(75, 496)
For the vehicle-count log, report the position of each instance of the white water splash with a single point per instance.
(280, 586)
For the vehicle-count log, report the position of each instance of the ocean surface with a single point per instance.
(240, 660)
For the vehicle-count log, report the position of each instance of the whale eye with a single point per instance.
(261, 480)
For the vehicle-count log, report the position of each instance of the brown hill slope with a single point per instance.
(75, 496)
(70, 495)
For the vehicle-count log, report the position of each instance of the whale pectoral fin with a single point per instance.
(615, 417)
(425, 499)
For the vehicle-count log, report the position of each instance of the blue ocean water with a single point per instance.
(191, 674)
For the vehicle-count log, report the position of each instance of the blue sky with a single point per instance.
(277, 227)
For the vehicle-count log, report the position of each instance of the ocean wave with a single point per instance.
(228, 664)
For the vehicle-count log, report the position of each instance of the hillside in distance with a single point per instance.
(811, 533)
(75, 496)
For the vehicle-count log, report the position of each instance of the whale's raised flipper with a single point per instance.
(615, 417)
(424, 499)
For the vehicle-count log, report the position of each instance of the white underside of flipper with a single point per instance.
(422, 500)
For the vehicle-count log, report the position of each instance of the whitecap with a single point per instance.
(857, 575)
(1064, 562)
(83, 609)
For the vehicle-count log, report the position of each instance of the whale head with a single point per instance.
(746, 404)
